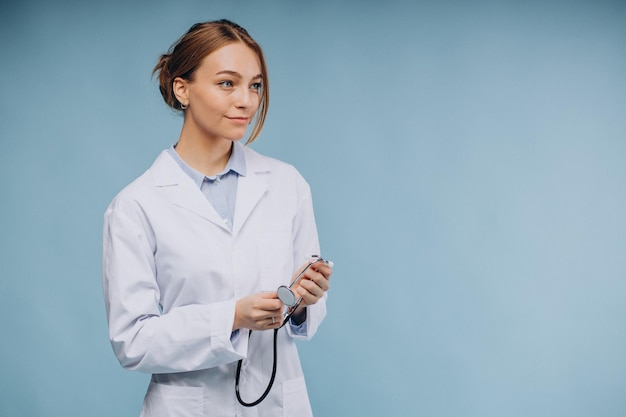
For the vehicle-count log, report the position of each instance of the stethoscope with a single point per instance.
(289, 299)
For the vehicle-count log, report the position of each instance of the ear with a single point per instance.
(181, 90)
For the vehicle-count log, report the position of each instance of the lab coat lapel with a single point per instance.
(181, 190)
(250, 189)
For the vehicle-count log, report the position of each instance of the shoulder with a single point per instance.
(256, 162)
(280, 176)
(142, 188)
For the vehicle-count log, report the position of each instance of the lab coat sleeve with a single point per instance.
(189, 337)
(306, 243)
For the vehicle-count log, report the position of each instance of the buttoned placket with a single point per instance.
(218, 199)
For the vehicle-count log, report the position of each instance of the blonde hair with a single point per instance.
(185, 56)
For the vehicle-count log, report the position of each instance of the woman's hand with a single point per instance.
(311, 287)
(261, 311)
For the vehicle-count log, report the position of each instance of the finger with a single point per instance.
(310, 293)
(308, 299)
(273, 321)
(270, 305)
(320, 280)
(313, 275)
(268, 295)
(315, 264)
(312, 288)
(325, 270)
(315, 285)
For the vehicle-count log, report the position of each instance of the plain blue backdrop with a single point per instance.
(468, 164)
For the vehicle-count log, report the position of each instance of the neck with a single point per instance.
(206, 155)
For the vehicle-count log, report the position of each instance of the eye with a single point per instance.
(226, 83)
(257, 86)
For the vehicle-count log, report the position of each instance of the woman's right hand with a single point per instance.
(261, 311)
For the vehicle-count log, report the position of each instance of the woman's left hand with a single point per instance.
(314, 283)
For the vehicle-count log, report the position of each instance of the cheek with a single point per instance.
(210, 108)
(257, 103)
(208, 99)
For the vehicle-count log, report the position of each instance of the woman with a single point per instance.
(195, 248)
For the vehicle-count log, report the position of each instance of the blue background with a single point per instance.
(468, 163)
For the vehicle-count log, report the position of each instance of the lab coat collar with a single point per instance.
(182, 191)
(250, 188)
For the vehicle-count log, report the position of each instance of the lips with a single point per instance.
(239, 120)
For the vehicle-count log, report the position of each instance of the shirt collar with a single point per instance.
(236, 163)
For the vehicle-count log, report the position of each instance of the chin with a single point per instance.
(236, 137)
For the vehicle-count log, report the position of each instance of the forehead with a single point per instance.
(235, 57)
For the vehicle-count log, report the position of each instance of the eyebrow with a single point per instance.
(236, 74)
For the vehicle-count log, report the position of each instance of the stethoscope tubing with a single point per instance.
(292, 309)
(269, 384)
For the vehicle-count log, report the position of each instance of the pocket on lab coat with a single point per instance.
(173, 401)
(275, 249)
(295, 398)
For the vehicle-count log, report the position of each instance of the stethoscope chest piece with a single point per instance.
(286, 296)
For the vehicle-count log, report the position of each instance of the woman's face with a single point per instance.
(224, 94)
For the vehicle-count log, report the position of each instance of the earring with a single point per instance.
(183, 106)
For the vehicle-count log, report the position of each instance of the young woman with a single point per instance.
(195, 248)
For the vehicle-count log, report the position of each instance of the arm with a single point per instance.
(188, 337)
(314, 284)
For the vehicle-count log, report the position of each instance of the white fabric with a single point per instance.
(172, 272)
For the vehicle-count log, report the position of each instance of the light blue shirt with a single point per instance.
(219, 189)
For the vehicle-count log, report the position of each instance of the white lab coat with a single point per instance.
(172, 273)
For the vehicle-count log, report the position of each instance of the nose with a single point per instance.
(243, 98)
